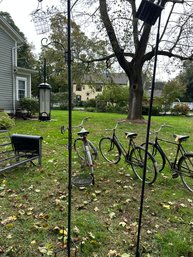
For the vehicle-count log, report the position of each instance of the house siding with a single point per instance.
(87, 92)
(6, 77)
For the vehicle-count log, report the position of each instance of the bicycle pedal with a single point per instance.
(174, 175)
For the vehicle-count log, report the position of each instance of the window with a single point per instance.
(21, 85)
(78, 88)
(98, 88)
(78, 98)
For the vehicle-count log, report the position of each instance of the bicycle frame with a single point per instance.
(83, 137)
(120, 146)
(179, 152)
(88, 150)
(111, 149)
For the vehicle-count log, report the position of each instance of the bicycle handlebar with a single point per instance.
(118, 122)
(63, 129)
(162, 126)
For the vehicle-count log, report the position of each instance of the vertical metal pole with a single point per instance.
(147, 141)
(45, 71)
(70, 128)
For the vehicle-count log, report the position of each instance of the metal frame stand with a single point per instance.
(147, 141)
(70, 128)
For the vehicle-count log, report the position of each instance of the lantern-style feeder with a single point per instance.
(149, 12)
(44, 102)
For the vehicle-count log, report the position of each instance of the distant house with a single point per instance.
(15, 82)
(89, 90)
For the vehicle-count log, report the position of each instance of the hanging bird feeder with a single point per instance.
(149, 12)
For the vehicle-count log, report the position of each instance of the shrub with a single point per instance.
(90, 109)
(101, 105)
(5, 121)
(180, 109)
(30, 105)
(155, 110)
(63, 107)
(90, 103)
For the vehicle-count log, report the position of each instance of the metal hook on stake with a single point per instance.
(69, 60)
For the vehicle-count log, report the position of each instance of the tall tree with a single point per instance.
(172, 90)
(83, 49)
(187, 78)
(133, 42)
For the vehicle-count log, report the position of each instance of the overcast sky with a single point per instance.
(20, 11)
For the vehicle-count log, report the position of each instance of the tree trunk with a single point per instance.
(135, 94)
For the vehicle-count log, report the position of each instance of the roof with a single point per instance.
(24, 70)
(12, 33)
(119, 78)
(112, 78)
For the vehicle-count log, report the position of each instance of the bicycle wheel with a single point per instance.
(136, 160)
(109, 150)
(80, 149)
(185, 167)
(157, 154)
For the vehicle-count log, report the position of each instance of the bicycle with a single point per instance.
(111, 149)
(181, 165)
(86, 152)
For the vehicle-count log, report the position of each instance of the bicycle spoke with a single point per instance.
(137, 163)
(109, 150)
(155, 152)
(186, 171)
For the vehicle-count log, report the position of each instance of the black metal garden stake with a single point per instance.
(148, 12)
(70, 128)
(68, 58)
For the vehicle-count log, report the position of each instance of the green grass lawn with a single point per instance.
(34, 201)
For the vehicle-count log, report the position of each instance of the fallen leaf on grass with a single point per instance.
(1, 250)
(122, 224)
(91, 235)
(112, 215)
(21, 212)
(112, 253)
(42, 215)
(166, 206)
(57, 201)
(9, 236)
(183, 205)
(2, 194)
(10, 225)
(39, 225)
(51, 161)
(63, 232)
(96, 209)
(8, 220)
(97, 192)
(76, 230)
(47, 249)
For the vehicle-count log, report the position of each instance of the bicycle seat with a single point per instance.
(83, 132)
(130, 134)
(180, 138)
